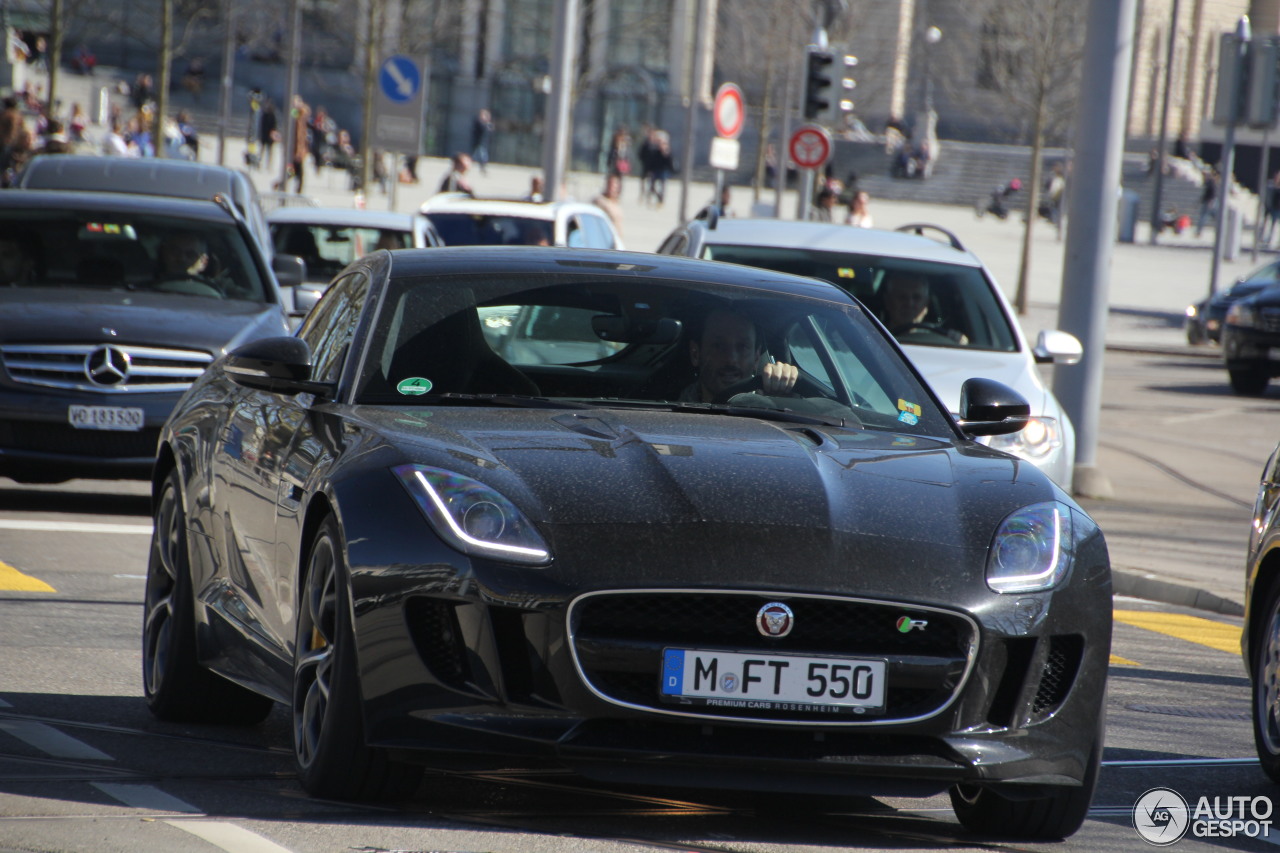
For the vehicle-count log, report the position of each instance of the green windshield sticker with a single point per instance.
(414, 386)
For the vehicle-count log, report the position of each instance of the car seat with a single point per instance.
(454, 355)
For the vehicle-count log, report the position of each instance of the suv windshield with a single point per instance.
(921, 302)
(474, 229)
(127, 251)
(627, 342)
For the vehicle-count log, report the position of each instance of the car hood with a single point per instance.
(635, 477)
(947, 368)
(69, 315)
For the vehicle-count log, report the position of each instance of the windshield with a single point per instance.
(632, 342)
(327, 249)
(922, 303)
(473, 229)
(118, 251)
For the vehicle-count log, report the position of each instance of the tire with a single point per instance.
(1196, 334)
(1249, 382)
(985, 812)
(176, 686)
(332, 758)
(1266, 688)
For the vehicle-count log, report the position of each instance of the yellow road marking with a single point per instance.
(1116, 660)
(12, 579)
(1193, 629)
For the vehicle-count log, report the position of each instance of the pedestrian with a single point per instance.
(481, 136)
(1272, 202)
(268, 131)
(859, 215)
(11, 126)
(324, 138)
(1208, 197)
(114, 142)
(300, 115)
(56, 140)
(535, 190)
(457, 181)
(190, 136)
(825, 207)
(78, 122)
(644, 158)
(610, 200)
(1055, 190)
(662, 165)
(618, 158)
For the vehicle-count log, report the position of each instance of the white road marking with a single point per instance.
(220, 833)
(73, 526)
(51, 741)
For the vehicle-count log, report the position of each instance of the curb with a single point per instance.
(1140, 584)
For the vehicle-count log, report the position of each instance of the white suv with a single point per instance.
(466, 221)
(966, 329)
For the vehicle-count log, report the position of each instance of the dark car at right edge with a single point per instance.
(1251, 342)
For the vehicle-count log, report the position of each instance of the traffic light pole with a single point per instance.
(1226, 175)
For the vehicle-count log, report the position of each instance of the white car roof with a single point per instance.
(826, 236)
(349, 217)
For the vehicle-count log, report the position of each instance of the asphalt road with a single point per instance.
(83, 765)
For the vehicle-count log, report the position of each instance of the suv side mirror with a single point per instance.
(1057, 347)
(290, 270)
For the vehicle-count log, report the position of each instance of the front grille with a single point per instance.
(1269, 320)
(618, 639)
(65, 439)
(136, 369)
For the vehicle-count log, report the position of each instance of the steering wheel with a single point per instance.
(744, 386)
(192, 285)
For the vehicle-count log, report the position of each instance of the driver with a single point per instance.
(726, 353)
(15, 263)
(184, 254)
(907, 303)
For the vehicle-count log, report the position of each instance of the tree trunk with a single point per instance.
(1033, 203)
(373, 41)
(165, 63)
(55, 57)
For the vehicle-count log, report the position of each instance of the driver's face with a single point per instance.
(726, 353)
(906, 302)
(183, 255)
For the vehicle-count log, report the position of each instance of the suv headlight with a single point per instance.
(473, 517)
(1032, 549)
(1040, 437)
(1241, 314)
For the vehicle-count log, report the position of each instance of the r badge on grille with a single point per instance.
(775, 619)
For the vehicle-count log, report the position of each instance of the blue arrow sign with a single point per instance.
(399, 78)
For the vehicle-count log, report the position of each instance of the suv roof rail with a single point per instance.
(920, 227)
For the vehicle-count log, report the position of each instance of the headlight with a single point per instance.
(1240, 314)
(1039, 438)
(472, 517)
(1032, 549)
(1193, 310)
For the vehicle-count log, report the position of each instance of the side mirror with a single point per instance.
(1057, 347)
(988, 407)
(304, 299)
(290, 270)
(278, 365)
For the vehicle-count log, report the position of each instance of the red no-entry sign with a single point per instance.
(729, 111)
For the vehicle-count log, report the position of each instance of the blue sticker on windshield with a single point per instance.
(414, 386)
(908, 418)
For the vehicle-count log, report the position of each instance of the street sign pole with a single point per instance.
(1240, 44)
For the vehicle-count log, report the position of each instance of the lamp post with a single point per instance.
(932, 36)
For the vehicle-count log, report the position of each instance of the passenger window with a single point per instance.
(329, 328)
(575, 238)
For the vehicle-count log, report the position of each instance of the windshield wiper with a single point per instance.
(781, 415)
(514, 401)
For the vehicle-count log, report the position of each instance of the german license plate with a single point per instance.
(105, 417)
(773, 682)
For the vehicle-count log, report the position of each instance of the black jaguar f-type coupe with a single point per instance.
(653, 519)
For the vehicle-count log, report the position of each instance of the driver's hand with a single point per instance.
(778, 379)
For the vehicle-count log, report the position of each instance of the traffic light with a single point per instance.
(816, 101)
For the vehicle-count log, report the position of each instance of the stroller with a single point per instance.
(996, 203)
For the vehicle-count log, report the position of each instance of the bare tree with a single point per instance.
(1029, 54)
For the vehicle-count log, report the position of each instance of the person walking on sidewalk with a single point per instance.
(457, 181)
(481, 136)
(1208, 197)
